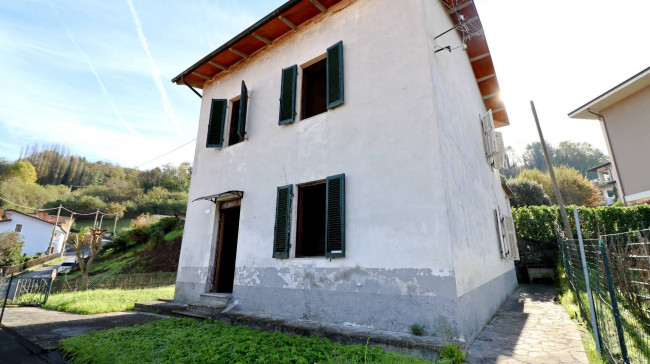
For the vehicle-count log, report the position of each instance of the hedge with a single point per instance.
(537, 222)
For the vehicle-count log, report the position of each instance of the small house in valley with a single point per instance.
(347, 169)
(38, 231)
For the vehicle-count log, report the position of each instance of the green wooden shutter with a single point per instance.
(288, 95)
(215, 127)
(282, 222)
(243, 111)
(335, 75)
(335, 217)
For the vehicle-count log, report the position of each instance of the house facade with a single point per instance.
(36, 231)
(605, 182)
(345, 169)
(623, 114)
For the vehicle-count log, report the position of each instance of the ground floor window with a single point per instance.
(310, 241)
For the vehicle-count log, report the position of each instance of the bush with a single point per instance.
(154, 234)
(538, 222)
(142, 221)
(527, 193)
(576, 188)
(10, 247)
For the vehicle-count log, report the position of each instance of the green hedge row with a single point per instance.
(537, 222)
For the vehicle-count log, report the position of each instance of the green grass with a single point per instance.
(183, 340)
(173, 235)
(105, 300)
(569, 302)
(107, 223)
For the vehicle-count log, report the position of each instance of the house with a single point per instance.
(623, 115)
(36, 230)
(346, 169)
(605, 182)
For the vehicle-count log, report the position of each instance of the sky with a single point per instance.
(95, 76)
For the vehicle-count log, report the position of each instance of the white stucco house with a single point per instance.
(36, 231)
(346, 169)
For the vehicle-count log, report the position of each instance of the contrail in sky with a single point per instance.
(107, 96)
(167, 105)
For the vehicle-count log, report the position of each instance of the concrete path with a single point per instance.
(45, 328)
(529, 328)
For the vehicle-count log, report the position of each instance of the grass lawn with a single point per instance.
(105, 300)
(184, 340)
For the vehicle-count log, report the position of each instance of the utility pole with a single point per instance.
(96, 215)
(56, 223)
(68, 235)
(101, 220)
(115, 225)
(560, 201)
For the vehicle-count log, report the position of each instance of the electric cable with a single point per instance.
(162, 155)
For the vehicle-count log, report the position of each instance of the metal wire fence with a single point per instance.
(618, 267)
(122, 281)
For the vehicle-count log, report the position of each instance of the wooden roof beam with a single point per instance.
(288, 22)
(486, 77)
(219, 65)
(319, 6)
(239, 53)
(263, 38)
(199, 74)
(474, 59)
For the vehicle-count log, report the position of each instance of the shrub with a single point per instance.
(527, 193)
(10, 247)
(538, 222)
(576, 188)
(417, 329)
(452, 354)
(143, 220)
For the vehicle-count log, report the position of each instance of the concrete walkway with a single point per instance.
(45, 328)
(529, 328)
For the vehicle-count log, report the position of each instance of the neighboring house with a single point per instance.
(36, 230)
(623, 114)
(368, 196)
(605, 182)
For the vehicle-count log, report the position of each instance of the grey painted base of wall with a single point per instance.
(393, 312)
(461, 318)
(476, 307)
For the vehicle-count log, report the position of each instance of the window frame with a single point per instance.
(299, 210)
(303, 86)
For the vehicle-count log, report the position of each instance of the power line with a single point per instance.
(26, 207)
(162, 155)
(55, 208)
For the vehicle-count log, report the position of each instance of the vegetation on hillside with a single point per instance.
(575, 187)
(84, 186)
(189, 340)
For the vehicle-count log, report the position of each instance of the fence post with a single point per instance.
(612, 296)
(585, 270)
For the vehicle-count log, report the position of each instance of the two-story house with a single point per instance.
(605, 182)
(346, 169)
(623, 116)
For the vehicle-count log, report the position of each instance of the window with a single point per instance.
(217, 120)
(489, 137)
(314, 89)
(234, 137)
(321, 219)
(322, 86)
(507, 236)
(19, 228)
(310, 239)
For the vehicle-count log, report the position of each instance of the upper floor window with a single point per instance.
(19, 228)
(217, 121)
(322, 86)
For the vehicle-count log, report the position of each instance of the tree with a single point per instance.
(92, 237)
(10, 246)
(533, 156)
(575, 188)
(116, 208)
(527, 193)
(580, 156)
(23, 170)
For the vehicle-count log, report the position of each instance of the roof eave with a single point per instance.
(612, 96)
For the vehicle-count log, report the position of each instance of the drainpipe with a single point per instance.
(609, 141)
